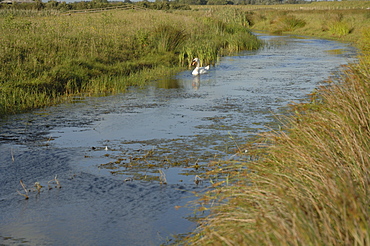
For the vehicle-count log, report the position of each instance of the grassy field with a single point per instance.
(344, 21)
(47, 57)
(306, 183)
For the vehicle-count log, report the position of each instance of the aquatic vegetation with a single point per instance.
(54, 181)
(162, 177)
(197, 180)
(37, 187)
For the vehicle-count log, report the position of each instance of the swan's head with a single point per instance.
(195, 61)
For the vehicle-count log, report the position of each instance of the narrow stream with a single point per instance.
(113, 155)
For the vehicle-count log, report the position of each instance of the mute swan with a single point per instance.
(199, 70)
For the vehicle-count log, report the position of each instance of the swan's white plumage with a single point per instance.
(199, 70)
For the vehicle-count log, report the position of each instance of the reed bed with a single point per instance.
(307, 183)
(46, 58)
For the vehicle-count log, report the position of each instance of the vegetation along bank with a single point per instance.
(306, 183)
(45, 57)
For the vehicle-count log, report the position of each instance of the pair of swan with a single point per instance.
(199, 70)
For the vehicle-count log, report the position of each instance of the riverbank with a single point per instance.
(306, 183)
(47, 59)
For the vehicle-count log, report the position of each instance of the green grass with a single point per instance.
(47, 58)
(306, 183)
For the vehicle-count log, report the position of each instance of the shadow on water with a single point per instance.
(129, 163)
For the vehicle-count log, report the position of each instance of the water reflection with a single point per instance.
(168, 83)
(178, 83)
(196, 82)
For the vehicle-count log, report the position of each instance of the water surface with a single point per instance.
(108, 153)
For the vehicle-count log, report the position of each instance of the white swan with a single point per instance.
(199, 70)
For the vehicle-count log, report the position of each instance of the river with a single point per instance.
(119, 170)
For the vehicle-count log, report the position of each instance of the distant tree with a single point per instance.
(63, 6)
(219, 2)
(39, 5)
(81, 5)
(52, 4)
(99, 1)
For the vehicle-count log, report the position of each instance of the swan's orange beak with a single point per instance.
(194, 63)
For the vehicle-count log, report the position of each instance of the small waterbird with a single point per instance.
(199, 70)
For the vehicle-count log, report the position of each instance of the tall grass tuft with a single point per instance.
(287, 23)
(168, 38)
(364, 42)
(311, 183)
(339, 28)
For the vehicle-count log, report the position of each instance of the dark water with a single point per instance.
(112, 155)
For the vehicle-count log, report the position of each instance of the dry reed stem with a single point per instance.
(25, 190)
(56, 181)
(162, 177)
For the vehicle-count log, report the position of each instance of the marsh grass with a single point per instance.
(46, 59)
(168, 38)
(310, 185)
(332, 20)
(27, 12)
(286, 23)
(339, 28)
(227, 33)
